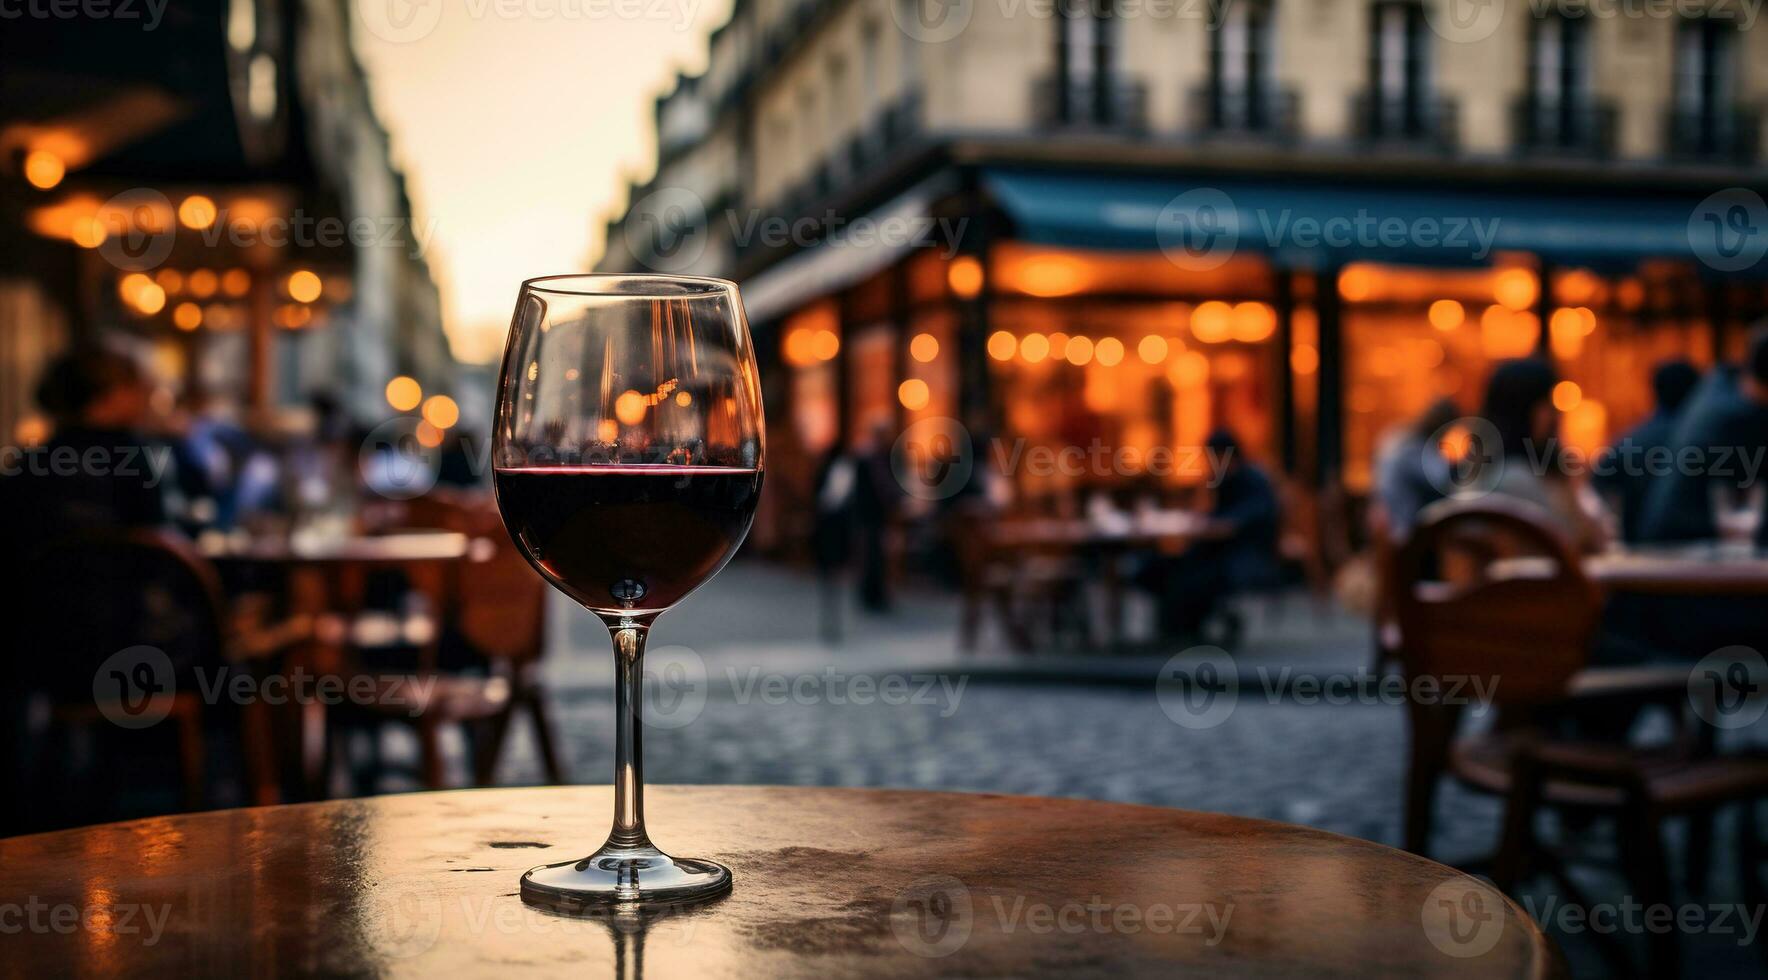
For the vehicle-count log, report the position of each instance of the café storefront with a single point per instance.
(1135, 311)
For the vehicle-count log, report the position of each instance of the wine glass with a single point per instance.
(627, 459)
(1737, 514)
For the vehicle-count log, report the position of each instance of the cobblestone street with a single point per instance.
(747, 694)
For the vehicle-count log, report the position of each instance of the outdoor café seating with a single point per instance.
(202, 618)
(496, 614)
(1558, 740)
(87, 598)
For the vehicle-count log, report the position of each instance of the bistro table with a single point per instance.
(1103, 542)
(1697, 570)
(327, 578)
(400, 548)
(829, 882)
(1702, 570)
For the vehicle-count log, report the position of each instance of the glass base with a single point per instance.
(620, 879)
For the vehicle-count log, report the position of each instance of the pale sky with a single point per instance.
(514, 121)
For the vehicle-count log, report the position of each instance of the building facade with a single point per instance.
(1124, 223)
(216, 192)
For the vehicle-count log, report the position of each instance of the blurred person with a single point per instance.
(1410, 469)
(1720, 440)
(831, 531)
(1627, 480)
(100, 469)
(320, 471)
(874, 507)
(212, 449)
(1724, 427)
(1525, 464)
(1237, 551)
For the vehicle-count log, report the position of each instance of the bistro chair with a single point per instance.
(1488, 592)
(1384, 625)
(89, 597)
(985, 581)
(496, 616)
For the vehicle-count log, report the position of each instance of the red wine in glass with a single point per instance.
(628, 539)
(627, 455)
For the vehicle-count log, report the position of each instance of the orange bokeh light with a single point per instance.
(43, 169)
(630, 408)
(187, 316)
(1212, 322)
(404, 393)
(202, 283)
(1567, 395)
(913, 394)
(1516, 288)
(196, 212)
(1446, 314)
(964, 276)
(305, 286)
(1253, 322)
(441, 411)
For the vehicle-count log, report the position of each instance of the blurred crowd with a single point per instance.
(114, 458)
(1687, 476)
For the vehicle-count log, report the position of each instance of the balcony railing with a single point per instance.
(1733, 136)
(1110, 103)
(1578, 127)
(1423, 122)
(1266, 112)
(790, 27)
(889, 129)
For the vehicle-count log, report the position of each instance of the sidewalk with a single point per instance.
(756, 615)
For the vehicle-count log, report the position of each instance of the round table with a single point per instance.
(1695, 571)
(327, 581)
(829, 882)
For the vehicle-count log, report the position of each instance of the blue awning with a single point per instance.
(1310, 222)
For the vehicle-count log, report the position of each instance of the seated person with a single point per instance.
(1237, 552)
(1525, 464)
(1410, 472)
(1724, 426)
(99, 470)
(1721, 437)
(1628, 481)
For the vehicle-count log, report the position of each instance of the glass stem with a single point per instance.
(629, 778)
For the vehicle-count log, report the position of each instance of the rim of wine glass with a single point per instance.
(609, 283)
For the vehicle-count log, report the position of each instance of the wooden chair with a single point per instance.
(1526, 638)
(1385, 627)
(497, 609)
(984, 581)
(1036, 590)
(93, 595)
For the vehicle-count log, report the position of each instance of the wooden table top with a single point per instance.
(1681, 571)
(829, 882)
(401, 548)
(1130, 531)
(1698, 570)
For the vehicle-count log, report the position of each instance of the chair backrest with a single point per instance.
(1486, 590)
(500, 604)
(1383, 560)
(89, 596)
